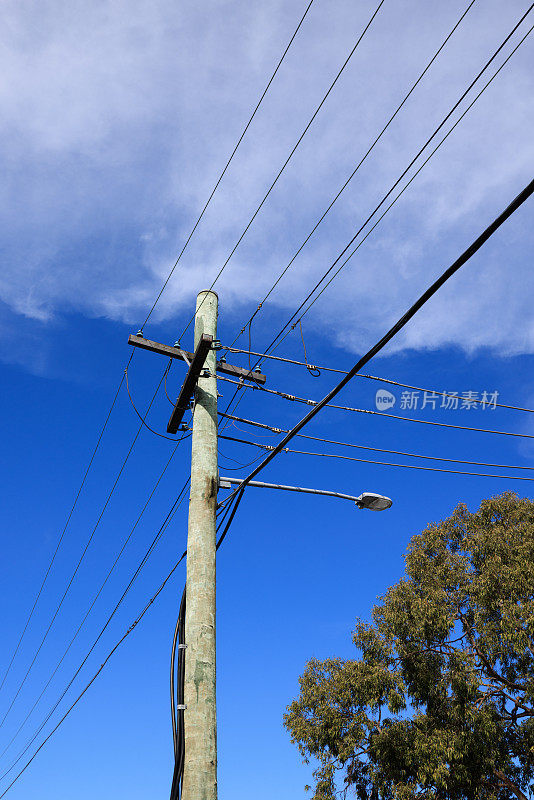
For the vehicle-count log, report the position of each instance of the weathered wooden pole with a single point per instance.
(200, 767)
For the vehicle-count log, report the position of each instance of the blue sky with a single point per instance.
(117, 119)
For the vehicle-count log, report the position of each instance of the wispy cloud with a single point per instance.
(118, 117)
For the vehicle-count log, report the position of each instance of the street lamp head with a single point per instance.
(375, 502)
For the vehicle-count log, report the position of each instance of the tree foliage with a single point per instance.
(441, 703)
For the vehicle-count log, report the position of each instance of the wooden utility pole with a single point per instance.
(200, 384)
(200, 768)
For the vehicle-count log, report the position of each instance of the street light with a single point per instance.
(370, 500)
(375, 502)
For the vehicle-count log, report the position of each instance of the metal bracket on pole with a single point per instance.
(184, 355)
(188, 386)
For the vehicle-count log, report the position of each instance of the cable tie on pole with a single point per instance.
(181, 706)
(182, 646)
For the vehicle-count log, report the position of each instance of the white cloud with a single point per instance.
(118, 116)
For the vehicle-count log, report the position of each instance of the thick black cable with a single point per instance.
(394, 330)
(381, 463)
(309, 402)
(177, 713)
(288, 159)
(322, 440)
(323, 368)
(406, 170)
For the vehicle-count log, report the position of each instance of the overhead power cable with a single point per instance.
(145, 558)
(347, 247)
(288, 327)
(308, 402)
(373, 449)
(391, 333)
(355, 170)
(271, 79)
(406, 186)
(288, 159)
(322, 368)
(96, 596)
(229, 161)
(62, 535)
(382, 463)
(75, 572)
(95, 676)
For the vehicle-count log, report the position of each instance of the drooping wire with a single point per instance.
(143, 421)
(312, 369)
(516, 203)
(286, 162)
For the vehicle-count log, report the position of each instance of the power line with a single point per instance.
(382, 463)
(393, 331)
(47, 572)
(308, 402)
(356, 169)
(56, 612)
(145, 322)
(95, 598)
(154, 542)
(323, 368)
(367, 447)
(95, 676)
(288, 159)
(279, 338)
(403, 174)
(414, 176)
(221, 176)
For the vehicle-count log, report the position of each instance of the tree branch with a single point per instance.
(505, 781)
